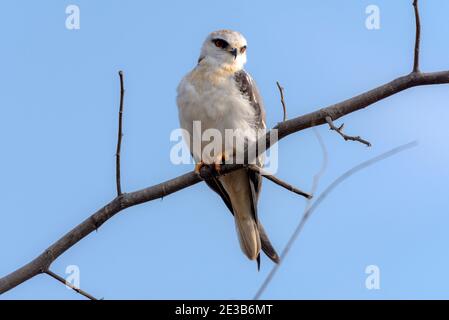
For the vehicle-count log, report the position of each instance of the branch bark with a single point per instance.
(418, 36)
(359, 102)
(279, 182)
(42, 263)
(339, 130)
(284, 107)
(119, 137)
(71, 286)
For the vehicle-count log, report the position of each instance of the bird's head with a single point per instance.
(225, 49)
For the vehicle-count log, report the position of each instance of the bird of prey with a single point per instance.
(221, 95)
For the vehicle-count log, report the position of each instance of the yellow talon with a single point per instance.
(219, 160)
(198, 166)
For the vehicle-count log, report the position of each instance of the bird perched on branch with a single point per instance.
(220, 95)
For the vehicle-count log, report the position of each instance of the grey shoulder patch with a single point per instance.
(248, 89)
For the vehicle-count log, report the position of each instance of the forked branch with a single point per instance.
(339, 130)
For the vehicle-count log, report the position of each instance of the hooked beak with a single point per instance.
(234, 52)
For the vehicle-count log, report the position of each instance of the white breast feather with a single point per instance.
(215, 100)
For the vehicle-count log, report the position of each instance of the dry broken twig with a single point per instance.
(279, 182)
(119, 136)
(284, 107)
(68, 284)
(339, 130)
(418, 37)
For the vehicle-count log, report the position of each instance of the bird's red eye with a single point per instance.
(243, 49)
(219, 43)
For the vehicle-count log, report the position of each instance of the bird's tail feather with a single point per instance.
(252, 238)
(248, 233)
(267, 247)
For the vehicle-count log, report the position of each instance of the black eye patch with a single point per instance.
(220, 43)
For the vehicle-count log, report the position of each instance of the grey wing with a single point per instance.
(248, 88)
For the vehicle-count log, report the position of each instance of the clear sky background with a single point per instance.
(59, 102)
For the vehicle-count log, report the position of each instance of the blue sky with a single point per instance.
(59, 117)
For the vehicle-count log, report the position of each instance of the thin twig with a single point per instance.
(418, 37)
(279, 182)
(119, 136)
(284, 107)
(320, 199)
(339, 130)
(71, 286)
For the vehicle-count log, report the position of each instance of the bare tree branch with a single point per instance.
(319, 200)
(119, 136)
(279, 182)
(359, 102)
(41, 263)
(339, 130)
(284, 107)
(418, 37)
(71, 286)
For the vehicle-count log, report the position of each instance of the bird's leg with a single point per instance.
(198, 166)
(220, 159)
